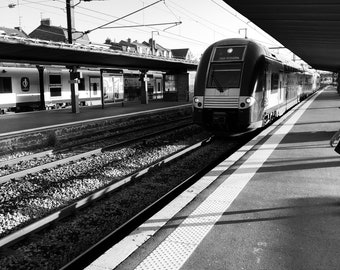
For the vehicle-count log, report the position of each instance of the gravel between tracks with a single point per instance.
(57, 245)
(34, 196)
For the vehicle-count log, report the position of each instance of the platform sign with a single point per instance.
(113, 85)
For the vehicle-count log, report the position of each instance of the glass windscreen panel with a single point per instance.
(229, 53)
(224, 76)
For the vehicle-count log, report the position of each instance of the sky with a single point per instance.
(174, 24)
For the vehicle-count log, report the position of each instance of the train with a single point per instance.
(21, 86)
(241, 86)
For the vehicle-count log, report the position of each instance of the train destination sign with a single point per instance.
(228, 53)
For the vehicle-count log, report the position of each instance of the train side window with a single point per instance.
(55, 85)
(81, 84)
(55, 79)
(95, 88)
(94, 84)
(274, 82)
(5, 85)
(55, 91)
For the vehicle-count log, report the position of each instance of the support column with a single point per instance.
(102, 88)
(74, 80)
(338, 80)
(42, 105)
(163, 81)
(144, 86)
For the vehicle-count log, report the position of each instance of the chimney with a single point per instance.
(129, 40)
(152, 44)
(46, 22)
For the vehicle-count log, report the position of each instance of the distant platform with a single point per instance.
(20, 122)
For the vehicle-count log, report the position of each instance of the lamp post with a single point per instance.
(245, 32)
(13, 5)
(70, 17)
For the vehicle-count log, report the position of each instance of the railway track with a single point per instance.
(20, 242)
(41, 223)
(70, 209)
(93, 252)
(33, 163)
(128, 206)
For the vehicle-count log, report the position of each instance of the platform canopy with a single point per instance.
(309, 28)
(32, 51)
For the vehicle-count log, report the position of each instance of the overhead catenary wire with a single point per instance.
(134, 12)
(190, 17)
(165, 34)
(268, 37)
(169, 5)
(141, 25)
(179, 37)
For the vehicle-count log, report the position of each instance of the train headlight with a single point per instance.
(198, 102)
(246, 102)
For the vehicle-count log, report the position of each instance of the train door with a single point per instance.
(94, 90)
(267, 88)
(159, 88)
(282, 95)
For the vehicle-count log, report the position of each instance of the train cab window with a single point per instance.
(5, 85)
(274, 82)
(224, 76)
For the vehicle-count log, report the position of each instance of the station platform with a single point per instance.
(273, 204)
(13, 123)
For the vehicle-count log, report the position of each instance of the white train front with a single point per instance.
(240, 85)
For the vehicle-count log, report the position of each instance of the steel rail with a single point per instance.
(8, 177)
(92, 253)
(19, 235)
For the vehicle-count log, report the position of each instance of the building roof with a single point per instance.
(140, 44)
(45, 31)
(13, 32)
(127, 43)
(180, 53)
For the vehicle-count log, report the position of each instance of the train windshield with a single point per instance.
(224, 76)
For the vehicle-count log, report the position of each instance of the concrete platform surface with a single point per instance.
(274, 204)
